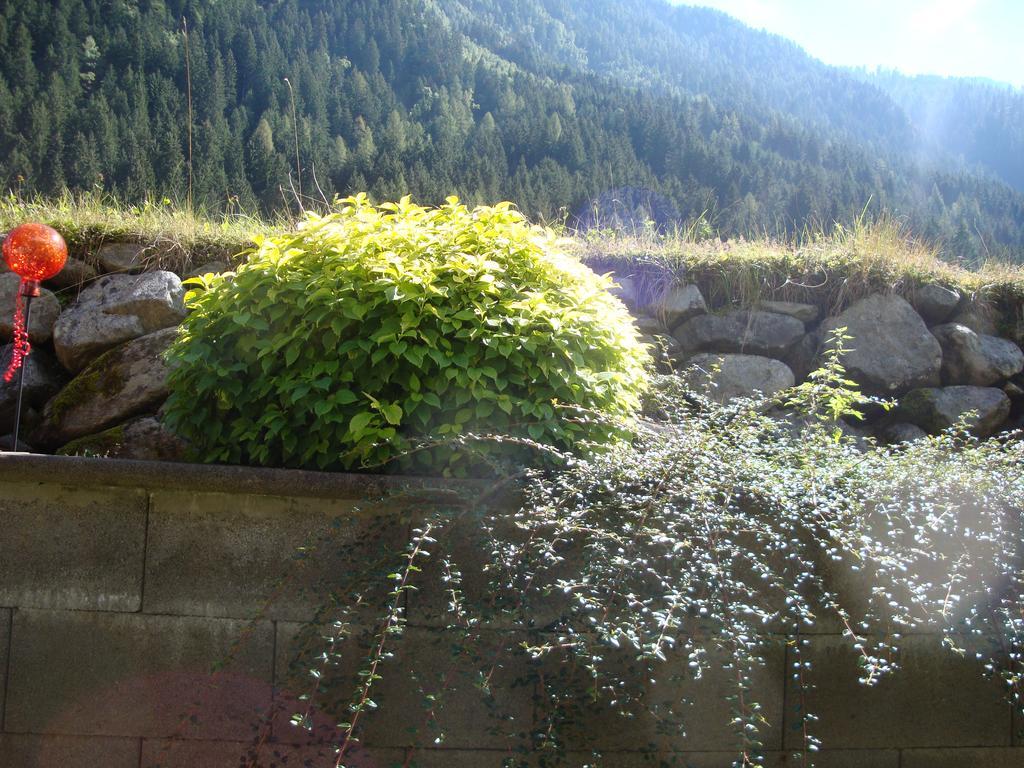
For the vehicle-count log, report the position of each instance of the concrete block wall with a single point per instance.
(151, 615)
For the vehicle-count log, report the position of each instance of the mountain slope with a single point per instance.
(688, 50)
(979, 122)
(630, 108)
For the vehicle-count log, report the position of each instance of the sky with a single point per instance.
(963, 38)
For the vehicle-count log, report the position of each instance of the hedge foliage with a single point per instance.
(373, 329)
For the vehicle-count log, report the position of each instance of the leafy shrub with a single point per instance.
(690, 551)
(341, 344)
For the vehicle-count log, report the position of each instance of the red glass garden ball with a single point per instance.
(35, 251)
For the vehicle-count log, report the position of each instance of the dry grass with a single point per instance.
(827, 270)
(830, 271)
(178, 239)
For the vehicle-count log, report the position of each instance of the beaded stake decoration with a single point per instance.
(34, 252)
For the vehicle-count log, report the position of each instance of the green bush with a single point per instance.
(368, 331)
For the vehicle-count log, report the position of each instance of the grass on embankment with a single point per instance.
(178, 238)
(827, 270)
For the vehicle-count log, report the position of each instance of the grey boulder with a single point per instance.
(973, 358)
(7, 444)
(45, 309)
(805, 313)
(750, 332)
(624, 289)
(121, 257)
(649, 325)
(678, 305)
(116, 309)
(43, 379)
(145, 439)
(980, 318)
(891, 350)
(803, 358)
(723, 377)
(900, 432)
(934, 409)
(76, 274)
(124, 382)
(216, 267)
(935, 303)
(664, 350)
(799, 425)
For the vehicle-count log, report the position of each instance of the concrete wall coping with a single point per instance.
(127, 473)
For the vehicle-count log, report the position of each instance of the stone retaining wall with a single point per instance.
(96, 380)
(125, 584)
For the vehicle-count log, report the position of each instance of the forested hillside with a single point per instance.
(977, 121)
(686, 50)
(553, 104)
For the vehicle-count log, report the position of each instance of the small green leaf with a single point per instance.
(392, 413)
(344, 397)
(359, 422)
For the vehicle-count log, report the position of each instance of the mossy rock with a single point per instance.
(143, 438)
(935, 409)
(120, 384)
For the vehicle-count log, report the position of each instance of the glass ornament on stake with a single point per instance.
(34, 252)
